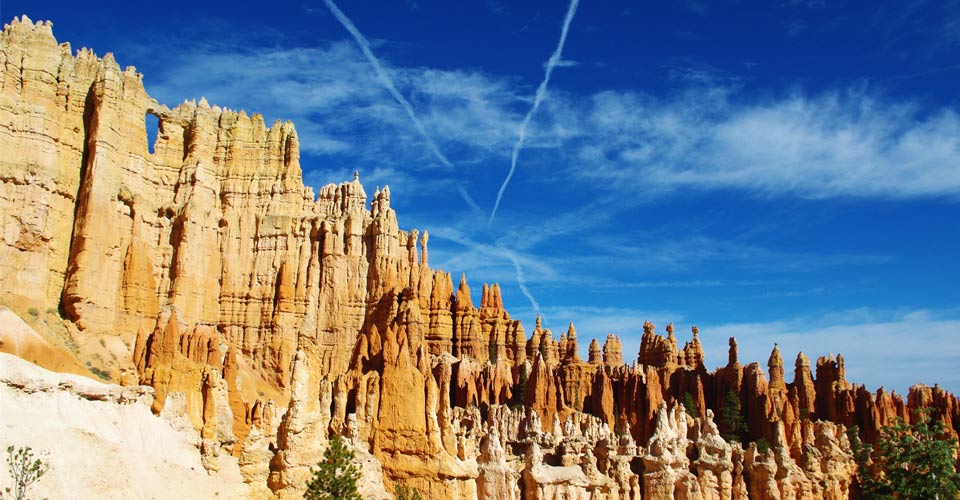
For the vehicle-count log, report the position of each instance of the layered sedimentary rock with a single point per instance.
(267, 318)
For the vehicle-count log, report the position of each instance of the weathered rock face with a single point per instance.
(267, 318)
(138, 454)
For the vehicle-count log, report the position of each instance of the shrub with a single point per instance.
(335, 477)
(24, 471)
(404, 493)
(762, 445)
(34, 312)
(103, 374)
(908, 462)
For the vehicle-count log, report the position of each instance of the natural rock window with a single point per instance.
(152, 124)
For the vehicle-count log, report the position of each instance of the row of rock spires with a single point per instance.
(267, 317)
(403, 414)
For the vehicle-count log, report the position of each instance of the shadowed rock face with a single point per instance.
(268, 317)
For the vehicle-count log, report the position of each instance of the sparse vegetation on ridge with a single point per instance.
(403, 492)
(24, 470)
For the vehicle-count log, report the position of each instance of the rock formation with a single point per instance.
(105, 442)
(266, 317)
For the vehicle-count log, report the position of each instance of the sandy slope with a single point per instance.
(17, 337)
(101, 440)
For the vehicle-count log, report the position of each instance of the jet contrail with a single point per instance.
(388, 84)
(521, 280)
(538, 98)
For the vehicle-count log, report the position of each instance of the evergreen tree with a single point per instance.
(908, 462)
(732, 419)
(336, 476)
(689, 405)
(518, 395)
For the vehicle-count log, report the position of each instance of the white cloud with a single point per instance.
(836, 144)
(340, 107)
(707, 135)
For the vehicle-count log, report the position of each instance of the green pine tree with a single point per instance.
(908, 462)
(336, 476)
(732, 419)
(689, 405)
(521, 390)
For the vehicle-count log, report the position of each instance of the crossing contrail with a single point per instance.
(388, 84)
(408, 109)
(521, 280)
(538, 98)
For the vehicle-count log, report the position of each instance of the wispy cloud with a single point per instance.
(698, 7)
(794, 28)
(553, 62)
(341, 110)
(708, 135)
(686, 71)
(836, 144)
(697, 254)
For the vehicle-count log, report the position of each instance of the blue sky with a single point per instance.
(778, 171)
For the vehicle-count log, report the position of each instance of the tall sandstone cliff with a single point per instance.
(268, 317)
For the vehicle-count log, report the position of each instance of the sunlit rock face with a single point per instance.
(268, 317)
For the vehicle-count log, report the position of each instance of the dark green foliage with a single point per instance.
(908, 462)
(103, 374)
(689, 404)
(404, 493)
(336, 476)
(24, 471)
(521, 391)
(618, 423)
(762, 445)
(732, 419)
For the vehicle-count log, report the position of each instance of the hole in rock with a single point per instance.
(152, 124)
